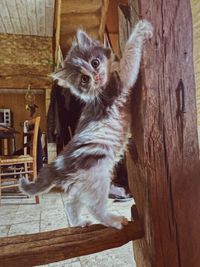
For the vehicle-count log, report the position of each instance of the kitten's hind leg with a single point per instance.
(102, 214)
(73, 209)
(96, 201)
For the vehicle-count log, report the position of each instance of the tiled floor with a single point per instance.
(22, 216)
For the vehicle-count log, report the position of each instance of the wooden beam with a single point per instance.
(20, 81)
(25, 59)
(77, 6)
(67, 39)
(196, 29)
(104, 10)
(56, 30)
(71, 22)
(112, 16)
(21, 91)
(163, 163)
(43, 248)
(124, 25)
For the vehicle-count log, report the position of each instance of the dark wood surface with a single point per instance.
(42, 248)
(163, 164)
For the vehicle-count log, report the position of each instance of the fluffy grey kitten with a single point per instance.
(84, 169)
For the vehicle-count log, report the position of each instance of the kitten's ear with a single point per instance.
(60, 76)
(83, 40)
(107, 52)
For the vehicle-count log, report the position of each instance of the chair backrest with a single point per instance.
(31, 128)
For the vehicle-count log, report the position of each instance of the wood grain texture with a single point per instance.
(196, 28)
(6, 21)
(124, 25)
(72, 22)
(14, 16)
(17, 104)
(2, 27)
(27, 17)
(77, 6)
(90, 16)
(56, 31)
(67, 39)
(32, 19)
(25, 59)
(49, 17)
(42, 248)
(104, 10)
(163, 165)
(23, 18)
(112, 21)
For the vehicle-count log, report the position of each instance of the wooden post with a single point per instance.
(163, 164)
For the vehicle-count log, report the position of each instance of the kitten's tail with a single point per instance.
(41, 185)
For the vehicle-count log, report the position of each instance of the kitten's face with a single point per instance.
(85, 69)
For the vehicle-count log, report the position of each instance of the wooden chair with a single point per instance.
(13, 167)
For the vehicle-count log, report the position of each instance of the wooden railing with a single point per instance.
(43, 248)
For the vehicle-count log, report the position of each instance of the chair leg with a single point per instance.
(26, 170)
(37, 199)
(0, 188)
(0, 184)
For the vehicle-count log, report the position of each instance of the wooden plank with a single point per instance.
(31, 14)
(21, 9)
(163, 166)
(14, 17)
(112, 17)
(49, 17)
(56, 31)
(66, 39)
(2, 27)
(77, 6)
(6, 17)
(32, 64)
(114, 39)
(43, 248)
(104, 10)
(196, 28)
(26, 68)
(22, 81)
(21, 91)
(40, 13)
(124, 25)
(71, 22)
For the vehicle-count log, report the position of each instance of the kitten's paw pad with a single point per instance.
(117, 221)
(145, 29)
(84, 223)
(124, 221)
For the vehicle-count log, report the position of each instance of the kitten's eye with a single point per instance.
(85, 79)
(95, 63)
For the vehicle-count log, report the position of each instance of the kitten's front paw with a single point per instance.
(116, 221)
(83, 223)
(144, 29)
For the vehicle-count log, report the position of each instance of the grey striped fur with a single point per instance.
(84, 168)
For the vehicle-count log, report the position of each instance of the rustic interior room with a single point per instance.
(157, 182)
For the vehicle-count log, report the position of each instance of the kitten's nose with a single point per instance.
(97, 77)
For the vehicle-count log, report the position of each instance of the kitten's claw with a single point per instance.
(84, 223)
(145, 29)
(125, 221)
(116, 221)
